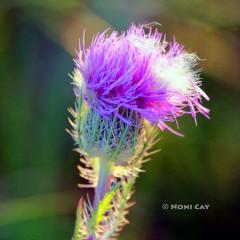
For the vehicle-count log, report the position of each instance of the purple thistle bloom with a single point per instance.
(141, 72)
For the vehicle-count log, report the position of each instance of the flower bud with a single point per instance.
(109, 137)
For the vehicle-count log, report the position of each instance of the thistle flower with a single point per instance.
(140, 72)
(127, 85)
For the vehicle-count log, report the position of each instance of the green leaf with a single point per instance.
(103, 206)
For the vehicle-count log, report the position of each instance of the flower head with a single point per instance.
(140, 72)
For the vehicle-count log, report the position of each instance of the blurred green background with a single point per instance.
(38, 174)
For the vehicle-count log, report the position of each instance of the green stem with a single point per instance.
(103, 180)
(103, 185)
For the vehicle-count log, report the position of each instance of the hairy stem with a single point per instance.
(103, 185)
(103, 182)
(104, 176)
